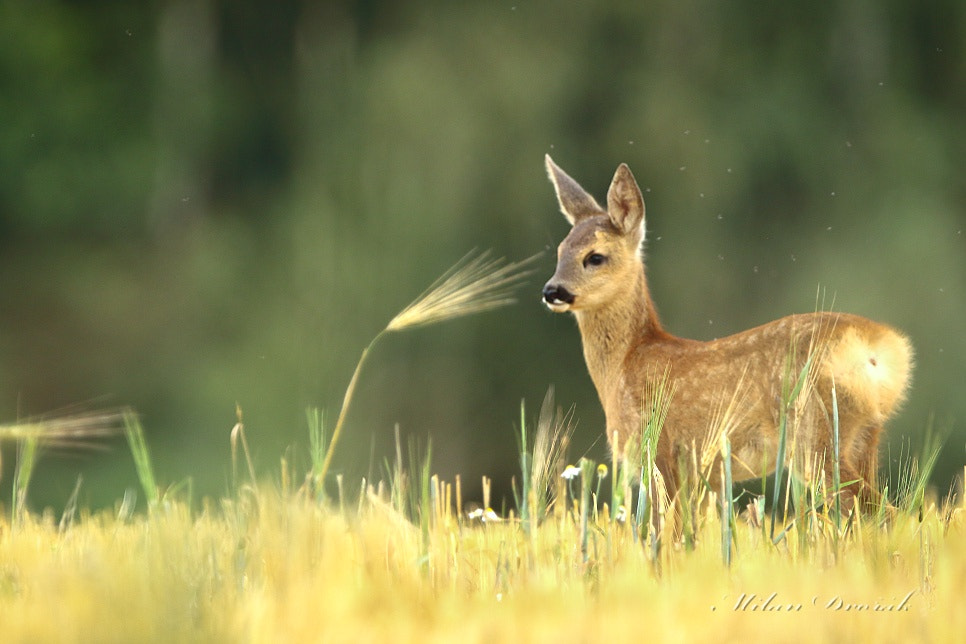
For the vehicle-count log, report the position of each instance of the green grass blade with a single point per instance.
(836, 469)
(522, 501)
(317, 450)
(26, 460)
(142, 459)
(790, 394)
(727, 502)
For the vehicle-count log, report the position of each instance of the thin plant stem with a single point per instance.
(727, 503)
(836, 471)
(473, 285)
(340, 422)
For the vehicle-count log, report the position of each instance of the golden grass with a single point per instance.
(473, 285)
(271, 567)
(281, 563)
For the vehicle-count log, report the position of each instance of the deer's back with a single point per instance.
(868, 362)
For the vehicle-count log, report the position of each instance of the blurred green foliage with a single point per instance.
(204, 203)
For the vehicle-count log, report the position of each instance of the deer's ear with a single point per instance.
(575, 203)
(625, 204)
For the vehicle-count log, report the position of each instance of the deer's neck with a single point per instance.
(610, 332)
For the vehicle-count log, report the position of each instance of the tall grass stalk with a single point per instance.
(541, 459)
(70, 508)
(656, 401)
(421, 501)
(523, 496)
(236, 438)
(588, 470)
(316, 423)
(790, 394)
(26, 459)
(473, 285)
(716, 447)
(398, 481)
(727, 417)
(805, 485)
(914, 472)
(727, 502)
(142, 459)
(618, 482)
(836, 468)
(602, 472)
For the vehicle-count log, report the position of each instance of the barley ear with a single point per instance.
(473, 285)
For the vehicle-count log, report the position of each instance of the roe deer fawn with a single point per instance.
(600, 277)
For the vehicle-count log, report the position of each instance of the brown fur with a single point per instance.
(625, 346)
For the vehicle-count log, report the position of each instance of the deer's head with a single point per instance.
(601, 255)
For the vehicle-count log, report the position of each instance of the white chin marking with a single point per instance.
(557, 306)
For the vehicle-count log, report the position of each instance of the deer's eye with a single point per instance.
(594, 259)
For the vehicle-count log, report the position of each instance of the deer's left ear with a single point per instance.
(625, 204)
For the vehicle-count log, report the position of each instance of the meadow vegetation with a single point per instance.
(407, 559)
(583, 551)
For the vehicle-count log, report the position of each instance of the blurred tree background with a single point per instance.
(207, 203)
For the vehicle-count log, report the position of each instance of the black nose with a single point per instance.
(553, 293)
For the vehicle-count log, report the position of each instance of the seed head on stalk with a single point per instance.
(69, 430)
(472, 285)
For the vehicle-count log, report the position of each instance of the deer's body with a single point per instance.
(600, 277)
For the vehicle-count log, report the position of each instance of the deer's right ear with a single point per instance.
(575, 203)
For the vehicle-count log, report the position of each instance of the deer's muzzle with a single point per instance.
(557, 298)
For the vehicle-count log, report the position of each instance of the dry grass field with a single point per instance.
(579, 554)
(403, 560)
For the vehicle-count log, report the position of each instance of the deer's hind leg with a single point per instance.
(858, 469)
